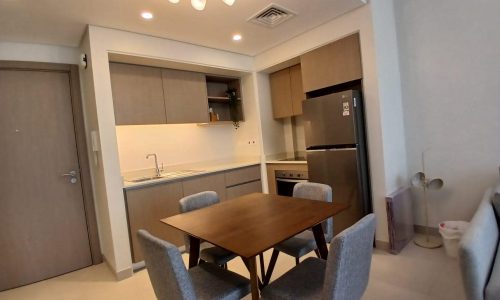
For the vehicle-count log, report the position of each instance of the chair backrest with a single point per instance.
(166, 269)
(320, 192)
(194, 202)
(349, 260)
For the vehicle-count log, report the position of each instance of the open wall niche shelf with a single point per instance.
(219, 102)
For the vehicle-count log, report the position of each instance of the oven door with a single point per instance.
(284, 187)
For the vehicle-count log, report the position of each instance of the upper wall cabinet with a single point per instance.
(137, 94)
(286, 92)
(148, 95)
(332, 64)
(185, 96)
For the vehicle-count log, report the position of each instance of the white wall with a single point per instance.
(39, 53)
(389, 88)
(360, 21)
(111, 202)
(450, 68)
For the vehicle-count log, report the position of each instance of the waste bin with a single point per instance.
(452, 232)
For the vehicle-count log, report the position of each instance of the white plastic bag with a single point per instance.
(452, 232)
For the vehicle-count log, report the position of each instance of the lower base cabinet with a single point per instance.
(147, 205)
(145, 208)
(243, 189)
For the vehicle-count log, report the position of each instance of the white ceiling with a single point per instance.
(62, 22)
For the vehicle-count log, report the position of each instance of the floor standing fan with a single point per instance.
(420, 180)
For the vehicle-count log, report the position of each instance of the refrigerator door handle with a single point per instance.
(333, 149)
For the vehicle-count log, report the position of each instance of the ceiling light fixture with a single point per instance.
(200, 4)
(237, 37)
(147, 15)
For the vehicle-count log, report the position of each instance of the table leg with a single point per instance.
(320, 241)
(194, 251)
(254, 279)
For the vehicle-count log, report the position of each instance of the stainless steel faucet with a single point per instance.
(157, 169)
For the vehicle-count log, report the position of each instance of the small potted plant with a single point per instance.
(234, 104)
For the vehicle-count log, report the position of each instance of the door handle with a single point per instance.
(72, 174)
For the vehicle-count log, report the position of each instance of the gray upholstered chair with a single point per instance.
(343, 276)
(171, 280)
(208, 252)
(304, 242)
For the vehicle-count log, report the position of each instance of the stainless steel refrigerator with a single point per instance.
(336, 152)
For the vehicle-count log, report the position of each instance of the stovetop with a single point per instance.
(296, 158)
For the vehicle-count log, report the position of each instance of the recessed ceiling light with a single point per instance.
(229, 2)
(174, 1)
(237, 37)
(147, 15)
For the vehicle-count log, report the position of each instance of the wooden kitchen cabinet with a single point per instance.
(243, 181)
(185, 96)
(286, 92)
(211, 182)
(297, 91)
(332, 64)
(244, 189)
(137, 94)
(146, 206)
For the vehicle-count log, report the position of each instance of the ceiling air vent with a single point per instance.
(272, 15)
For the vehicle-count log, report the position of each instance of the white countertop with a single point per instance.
(199, 168)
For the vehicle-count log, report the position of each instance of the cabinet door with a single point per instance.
(186, 98)
(137, 94)
(281, 96)
(335, 63)
(296, 90)
(242, 175)
(211, 182)
(243, 189)
(145, 208)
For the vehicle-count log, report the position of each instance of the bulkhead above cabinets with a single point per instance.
(150, 95)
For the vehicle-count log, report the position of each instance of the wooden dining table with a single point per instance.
(253, 223)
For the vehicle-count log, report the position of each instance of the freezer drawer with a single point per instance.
(339, 169)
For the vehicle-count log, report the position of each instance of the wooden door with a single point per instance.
(146, 206)
(137, 94)
(332, 64)
(186, 99)
(281, 94)
(43, 230)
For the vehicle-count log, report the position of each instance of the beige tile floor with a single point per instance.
(414, 274)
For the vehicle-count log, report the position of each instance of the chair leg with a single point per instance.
(262, 271)
(270, 268)
(317, 252)
(297, 261)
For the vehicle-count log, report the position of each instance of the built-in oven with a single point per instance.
(287, 179)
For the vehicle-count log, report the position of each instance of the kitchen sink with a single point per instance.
(172, 174)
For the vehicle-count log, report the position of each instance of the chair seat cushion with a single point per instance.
(212, 282)
(302, 282)
(298, 245)
(216, 255)
(492, 291)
